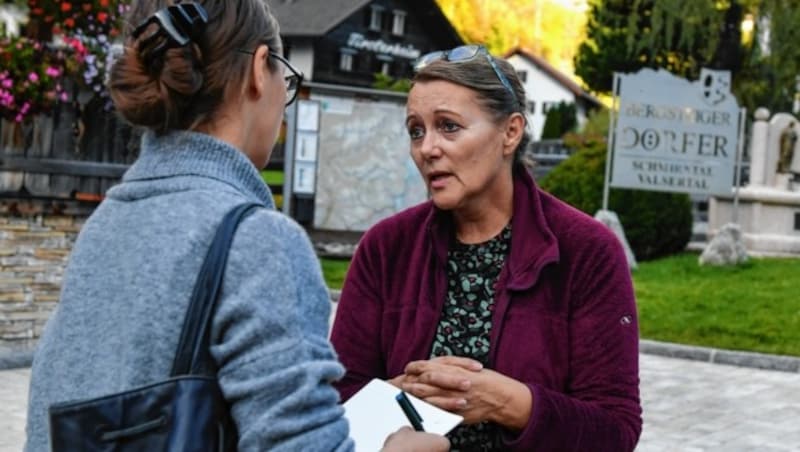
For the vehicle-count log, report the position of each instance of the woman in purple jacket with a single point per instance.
(493, 299)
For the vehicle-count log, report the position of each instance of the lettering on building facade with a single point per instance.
(360, 42)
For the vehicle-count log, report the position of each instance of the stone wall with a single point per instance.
(36, 237)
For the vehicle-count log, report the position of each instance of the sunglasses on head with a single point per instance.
(464, 53)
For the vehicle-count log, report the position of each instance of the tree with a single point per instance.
(546, 28)
(386, 82)
(605, 50)
(679, 36)
(770, 68)
(560, 119)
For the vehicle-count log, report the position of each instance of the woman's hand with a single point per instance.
(463, 386)
(407, 440)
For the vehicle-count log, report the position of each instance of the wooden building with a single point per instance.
(346, 42)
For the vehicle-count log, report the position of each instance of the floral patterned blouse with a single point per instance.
(466, 322)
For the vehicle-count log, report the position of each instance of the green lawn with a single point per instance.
(753, 307)
(272, 177)
(334, 271)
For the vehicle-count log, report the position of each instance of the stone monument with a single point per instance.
(769, 205)
(788, 142)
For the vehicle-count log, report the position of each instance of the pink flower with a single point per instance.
(52, 71)
(33, 77)
(19, 117)
(8, 83)
(64, 97)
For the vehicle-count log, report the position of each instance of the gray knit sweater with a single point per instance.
(128, 283)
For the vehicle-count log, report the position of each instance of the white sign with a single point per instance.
(306, 150)
(305, 177)
(307, 115)
(359, 41)
(675, 135)
(306, 143)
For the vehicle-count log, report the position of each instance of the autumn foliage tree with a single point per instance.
(545, 27)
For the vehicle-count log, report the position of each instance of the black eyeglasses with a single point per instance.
(292, 81)
(464, 53)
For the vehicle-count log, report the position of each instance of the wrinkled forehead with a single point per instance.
(437, 96)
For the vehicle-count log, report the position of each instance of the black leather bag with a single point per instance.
(183, 413)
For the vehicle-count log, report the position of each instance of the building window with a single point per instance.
(375, 18)
(399, 23)
(531, 107)
(346, 60)
(523, 76)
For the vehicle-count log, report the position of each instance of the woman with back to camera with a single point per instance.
(211, 108)
(493, 300)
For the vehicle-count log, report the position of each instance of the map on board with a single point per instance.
(365, 172)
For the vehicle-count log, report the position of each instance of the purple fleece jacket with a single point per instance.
(564, 323)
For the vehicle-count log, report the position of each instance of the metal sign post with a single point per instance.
(612, 116)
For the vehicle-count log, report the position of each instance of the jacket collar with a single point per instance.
(533, 243)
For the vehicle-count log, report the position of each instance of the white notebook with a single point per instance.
(374, 414)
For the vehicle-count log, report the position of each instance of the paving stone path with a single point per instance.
(689, 406)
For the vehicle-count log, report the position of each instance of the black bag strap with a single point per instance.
(192, 356)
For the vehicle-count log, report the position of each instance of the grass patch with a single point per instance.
(754, 307)
(272, 177)
(334, 271)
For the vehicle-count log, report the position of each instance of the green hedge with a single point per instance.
(656, 224)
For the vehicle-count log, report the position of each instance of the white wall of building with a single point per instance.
(543, 91)
(301, 56)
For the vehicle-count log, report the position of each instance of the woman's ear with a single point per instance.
(513, 133)
(259, 73)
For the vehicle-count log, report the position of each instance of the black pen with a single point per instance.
(411, 413)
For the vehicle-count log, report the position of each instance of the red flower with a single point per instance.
(102, 17)
(66, 6)
(70, 22)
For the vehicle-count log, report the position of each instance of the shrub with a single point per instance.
(387, 83)
(656, 224)
(560, 119)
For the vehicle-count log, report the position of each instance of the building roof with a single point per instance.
(555, 74)
(315, 18)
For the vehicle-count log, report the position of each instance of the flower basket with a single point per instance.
(30, 78)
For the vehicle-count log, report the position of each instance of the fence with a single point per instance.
(544, 155)
(73, 153)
